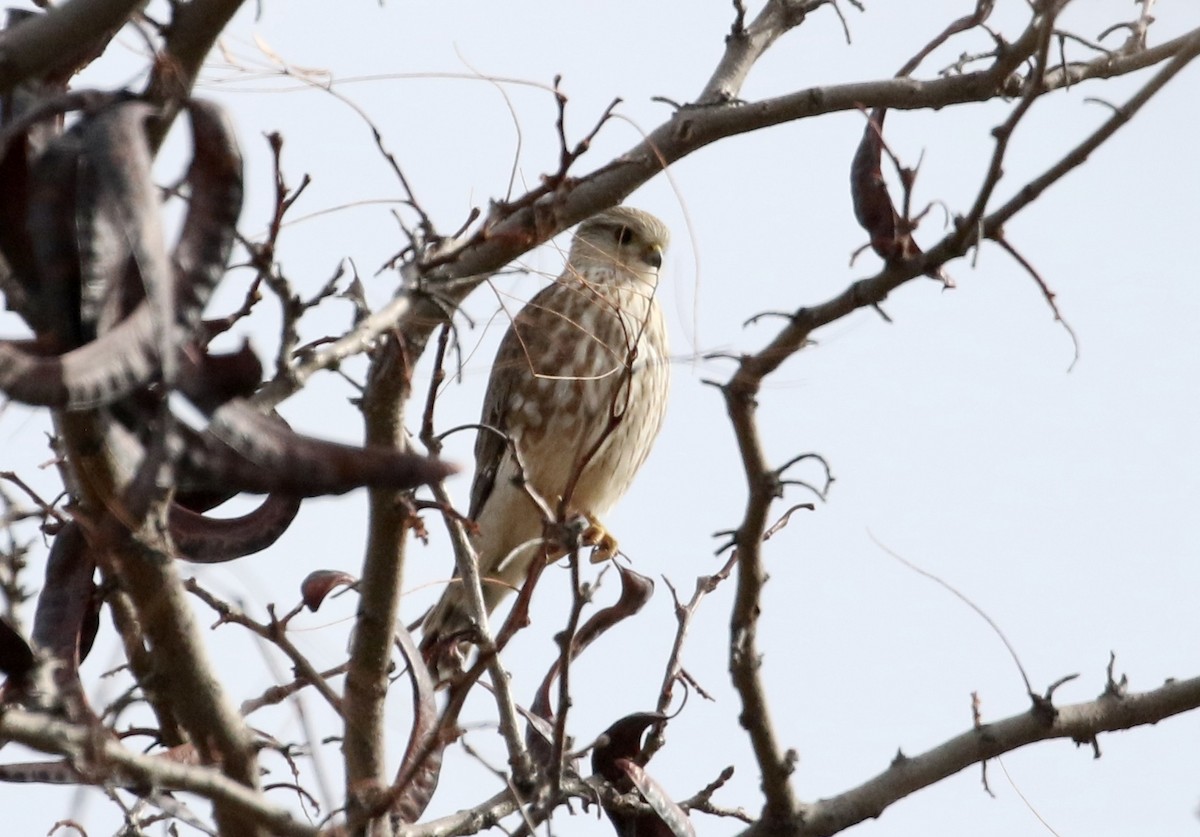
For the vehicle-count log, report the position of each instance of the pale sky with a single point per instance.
(1058, 501)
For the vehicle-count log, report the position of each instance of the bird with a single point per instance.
(574, 402)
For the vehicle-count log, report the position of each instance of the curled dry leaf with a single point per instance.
(211, 540)
(93, 223)
(873, 206)
(40, 772)
(320, 583)
(53, 256)
(616, 758)
(622, 740)
(672, 820)
(16, 655)
(210, 380)
(246, 450)
(67, 614)
(115, 184)
(421, 767)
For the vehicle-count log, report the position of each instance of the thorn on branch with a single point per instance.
(666, 100)
(731, 534)
(1113, 687)
(786, 315)
(983, 771)
(1043, 705)
(686, 678)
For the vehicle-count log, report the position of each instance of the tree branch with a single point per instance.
(85, 748)
(744, 658)
(57, 41)
(1080, 722)
(388, 388)
(143, 567)
(461, 266)
(194, 28)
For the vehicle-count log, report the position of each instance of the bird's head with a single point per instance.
(624, 240)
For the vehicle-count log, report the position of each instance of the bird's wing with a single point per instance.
(490, 444)
(512, 372)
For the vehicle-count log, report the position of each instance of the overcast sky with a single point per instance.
(1061, 501)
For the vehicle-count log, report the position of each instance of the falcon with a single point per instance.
(576, 397)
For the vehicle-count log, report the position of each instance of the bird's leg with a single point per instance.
(604, 545)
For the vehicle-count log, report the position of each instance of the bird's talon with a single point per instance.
(604, 545)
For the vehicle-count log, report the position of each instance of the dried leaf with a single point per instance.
(42, 772)
(319, 584)
(622, 740)
(65, 621)
(210, 380)
(421, 767)
(16, 655)
(873, 205)
(211, 540)
(615, 758)
(674, 818)
(209, 229)
(246, 450)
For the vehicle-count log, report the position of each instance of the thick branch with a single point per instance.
(508, 234)
(148, 575)
(58, 40)
(379, 589)
(873, 290)
(744, 658)
(194, 29)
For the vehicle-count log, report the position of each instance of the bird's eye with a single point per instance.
(624, 236)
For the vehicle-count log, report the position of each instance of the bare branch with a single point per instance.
(1080, 722)
(83, 746)
(274, 632)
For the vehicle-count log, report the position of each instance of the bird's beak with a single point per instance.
(653, 256)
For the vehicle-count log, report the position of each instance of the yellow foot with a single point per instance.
(604, 545)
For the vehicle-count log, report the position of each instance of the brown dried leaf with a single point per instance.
(66, 618)
(873, 205)
(320, 583)
(421, 767)
(249, 451)
(212, 540)
(672, 820)
(16, 655)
